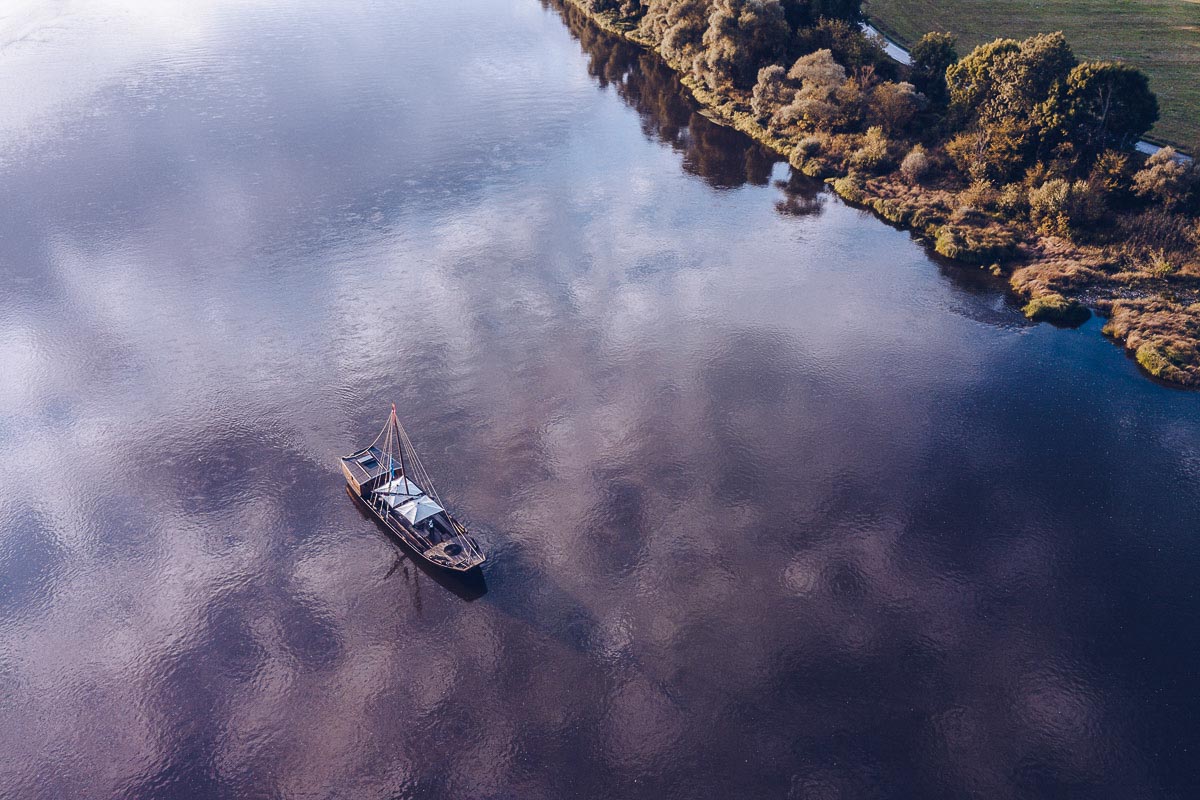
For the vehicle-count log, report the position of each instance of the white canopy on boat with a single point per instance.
(400, 489)
(409, 499)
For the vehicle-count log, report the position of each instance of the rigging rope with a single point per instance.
(395, 441)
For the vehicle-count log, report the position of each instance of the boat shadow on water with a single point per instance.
(469, 586)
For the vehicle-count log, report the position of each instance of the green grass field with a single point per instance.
(1160, 37)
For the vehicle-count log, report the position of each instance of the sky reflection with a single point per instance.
(775, 505)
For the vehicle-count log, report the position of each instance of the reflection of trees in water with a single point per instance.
(803, 196)
(721, 156)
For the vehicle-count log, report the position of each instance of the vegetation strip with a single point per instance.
(1016, 157)
(1160, 37)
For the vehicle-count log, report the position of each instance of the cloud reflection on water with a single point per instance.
(756, 524)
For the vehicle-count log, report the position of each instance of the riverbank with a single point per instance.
(1152, 303)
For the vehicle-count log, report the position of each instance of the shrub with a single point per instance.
(1087, 207)
(1013, 201)
(815, 168)
(818, 68)
(1040, 172)
(916, 166)
(929, 219)
(1154, 360)
(850, 187)
(1055, 308)
(981, 195)
(968, 151)
(975, 245)
(809, 146)
(1159, 265)
(1059, 208)
(825, 100)
(807, 157)
(820, 108)
(872, 154)
(893, 210)
(1110, 175)
(1166, 179)
(1048, 207)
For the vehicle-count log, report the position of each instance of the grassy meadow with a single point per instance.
(1160, 37)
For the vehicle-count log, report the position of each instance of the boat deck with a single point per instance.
(454, 551)
(366, 465)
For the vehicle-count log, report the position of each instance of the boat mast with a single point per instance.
(399, 442)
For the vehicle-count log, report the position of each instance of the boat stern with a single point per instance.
(456, 555)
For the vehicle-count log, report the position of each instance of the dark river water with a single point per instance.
(776, 505)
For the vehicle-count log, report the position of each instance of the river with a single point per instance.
(776, 503)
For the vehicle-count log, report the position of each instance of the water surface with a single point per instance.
(776, 505)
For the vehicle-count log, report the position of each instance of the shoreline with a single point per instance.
(1156, 318)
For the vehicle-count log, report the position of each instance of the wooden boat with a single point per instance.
(388, 478)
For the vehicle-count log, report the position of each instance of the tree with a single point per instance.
(1110, 106)
(772, 91)
(849, 45)
(819, 69)
(625, 8)
(678, 26)
(1007, 80)
(973, 80)
(931, 56)
(825, 99)
(742, 36)
(893, 105)
(1012, 95)
(805, 13)
(1040, 66)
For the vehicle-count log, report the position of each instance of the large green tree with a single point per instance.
(932, 55)
(1110, 106)
(1010, 94)
(1007, 80)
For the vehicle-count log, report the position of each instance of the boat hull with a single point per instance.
(399, 528)
(351, 481)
